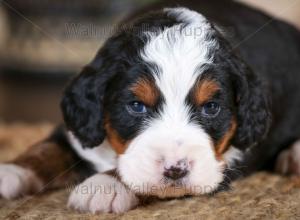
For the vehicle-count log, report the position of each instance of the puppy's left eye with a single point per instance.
(211, 109)
(136, 107)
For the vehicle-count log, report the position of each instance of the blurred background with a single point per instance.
(44, 43)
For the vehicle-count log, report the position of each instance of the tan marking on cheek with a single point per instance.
(146, 91)
(205, 90)
(116, 142)
(222, 145)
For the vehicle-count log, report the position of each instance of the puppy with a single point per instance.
(179, 101)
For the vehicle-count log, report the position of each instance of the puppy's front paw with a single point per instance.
(16, 181)
(102, 193)
(288, 161)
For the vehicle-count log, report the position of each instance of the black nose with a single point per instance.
(175, 173)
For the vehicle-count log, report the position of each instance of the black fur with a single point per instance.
(82, 107)
(253, 107)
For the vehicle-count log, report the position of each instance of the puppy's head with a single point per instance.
(170, 100)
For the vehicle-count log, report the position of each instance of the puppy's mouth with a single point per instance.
(172, 189)
(167, 182)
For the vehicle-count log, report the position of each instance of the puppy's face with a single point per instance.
(171, 132)
(168, 103)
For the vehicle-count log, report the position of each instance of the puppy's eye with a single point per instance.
(211, 109)
(136, 107)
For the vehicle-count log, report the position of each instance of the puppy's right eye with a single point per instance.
(136, 107)
(211, 109)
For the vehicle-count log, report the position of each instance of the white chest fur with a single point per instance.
(102, 157)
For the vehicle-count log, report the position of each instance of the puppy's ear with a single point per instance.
(253, 113)
(82, 104)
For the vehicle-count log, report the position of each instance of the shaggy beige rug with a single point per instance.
(261, 196)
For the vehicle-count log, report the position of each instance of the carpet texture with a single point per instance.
(261, 196)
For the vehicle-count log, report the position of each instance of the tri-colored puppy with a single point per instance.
(177, 102)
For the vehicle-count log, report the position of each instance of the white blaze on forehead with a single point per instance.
(179, 52)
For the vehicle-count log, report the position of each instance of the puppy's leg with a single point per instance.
(102, 193)
(46, 165)
(288, 161)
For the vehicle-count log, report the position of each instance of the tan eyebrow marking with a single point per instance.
(146, 91)
(205, 90)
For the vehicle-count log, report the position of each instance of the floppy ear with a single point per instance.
(253, 113)
(82, 104)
